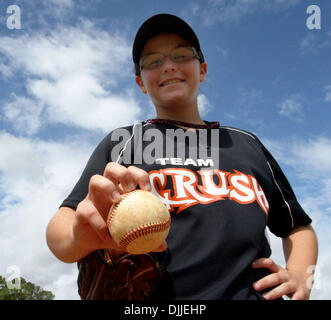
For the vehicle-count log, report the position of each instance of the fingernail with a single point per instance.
(266, 296)
(115, 196)
(147, 186)
(131, 187)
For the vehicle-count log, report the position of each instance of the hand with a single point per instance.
(90, 230)
(288, 282)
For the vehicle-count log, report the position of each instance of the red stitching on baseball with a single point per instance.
(142, 231)
(116, 205)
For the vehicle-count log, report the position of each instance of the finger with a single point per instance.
(299, 295)
(269, 281)
(140, 177)
(102, 193)
(119, 174)
(279, 291)
(87, 213)
(162, 247)
(267, 263)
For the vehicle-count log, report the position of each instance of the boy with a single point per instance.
(220, 205)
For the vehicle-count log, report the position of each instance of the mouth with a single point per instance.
(170, 82)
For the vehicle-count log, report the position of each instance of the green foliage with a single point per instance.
(27, 291)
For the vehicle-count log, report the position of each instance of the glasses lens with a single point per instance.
(151, 61)
(182, 54)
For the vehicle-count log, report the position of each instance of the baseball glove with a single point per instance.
(116, 275)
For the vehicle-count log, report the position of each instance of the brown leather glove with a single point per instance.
(116, 275)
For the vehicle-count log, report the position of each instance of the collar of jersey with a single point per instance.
(207, 125)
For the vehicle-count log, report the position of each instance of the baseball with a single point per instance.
(139, 222)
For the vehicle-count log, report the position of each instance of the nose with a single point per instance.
(169, 65)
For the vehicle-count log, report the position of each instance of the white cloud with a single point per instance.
(24, 113)
(309, 42)
(310, 165)
(62, 3)
(225, 11)
(223, 53)
(288, 3)
(35, 177)
(328, 93)
(5, 70)
(59, 9)
(73, 73)
(246, 99)
(309, 161)
(292, 108)
(313, 42)
(203, 104)
(314, 154)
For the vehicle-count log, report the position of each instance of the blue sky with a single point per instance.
(66, 80)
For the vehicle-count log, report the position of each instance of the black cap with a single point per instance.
(162, 23)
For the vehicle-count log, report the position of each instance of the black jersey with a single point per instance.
(222, 188)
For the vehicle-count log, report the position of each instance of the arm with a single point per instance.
(60, 237)
(71, 235)
(300, 251)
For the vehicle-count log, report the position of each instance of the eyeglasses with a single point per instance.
(177, 55)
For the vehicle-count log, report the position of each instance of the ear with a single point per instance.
(203, 71)
(140, 83)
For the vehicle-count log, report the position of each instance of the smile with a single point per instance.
(171, 81)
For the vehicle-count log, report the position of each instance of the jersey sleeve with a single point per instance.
(285, 212)
(95, 165)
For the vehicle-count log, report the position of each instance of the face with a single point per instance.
(171, 84)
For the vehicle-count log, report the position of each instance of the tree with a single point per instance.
(27, 291)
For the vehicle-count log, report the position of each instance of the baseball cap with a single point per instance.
(162, 23)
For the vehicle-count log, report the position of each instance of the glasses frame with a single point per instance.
(165, 55)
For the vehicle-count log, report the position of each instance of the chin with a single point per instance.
(176, 98)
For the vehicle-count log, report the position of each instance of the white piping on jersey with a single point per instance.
(238, 130)
(266, 234)
(136, 123)
(281, 192)
(272, 174)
